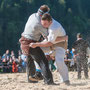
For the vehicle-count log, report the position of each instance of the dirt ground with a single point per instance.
(18, 81)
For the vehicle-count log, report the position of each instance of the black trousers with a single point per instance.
(38, 55)
(82, 63)
(30, 69)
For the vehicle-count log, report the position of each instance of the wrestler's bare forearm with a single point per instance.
(44, 44)
(48, 43)
(61, 38)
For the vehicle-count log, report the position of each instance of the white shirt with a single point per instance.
(55, 30)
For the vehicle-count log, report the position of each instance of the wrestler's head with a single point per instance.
(46, 20)
(43, 9)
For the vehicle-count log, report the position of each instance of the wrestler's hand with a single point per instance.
(66, 38)
(33, 45)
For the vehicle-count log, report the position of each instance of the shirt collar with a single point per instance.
(79, 39)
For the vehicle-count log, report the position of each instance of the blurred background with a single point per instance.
(74, 15)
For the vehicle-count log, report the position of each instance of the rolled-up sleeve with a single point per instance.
(52, 36)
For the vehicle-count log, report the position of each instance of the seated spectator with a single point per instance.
(24, 65)
(6, 56)
(1, 65)
(51, 62)
(12, 54)
(19, 64)
(14, 66)
(23, 57)
(73, 60)
(10, 64)
(67, 58)
(5, 66)
(19, 53)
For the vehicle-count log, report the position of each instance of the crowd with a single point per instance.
(69, 59)
(9, 63)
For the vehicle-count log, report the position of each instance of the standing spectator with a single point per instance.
(80, 46)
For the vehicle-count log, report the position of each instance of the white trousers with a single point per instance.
(59, 60)
(61, 66)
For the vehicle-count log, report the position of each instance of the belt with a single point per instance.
(25, 45)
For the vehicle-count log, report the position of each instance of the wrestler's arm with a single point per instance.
(41, 44)
(46, 43)
(61, 38)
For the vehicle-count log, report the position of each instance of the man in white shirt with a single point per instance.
(54, 29)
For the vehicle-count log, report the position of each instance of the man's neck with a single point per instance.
(79, 38)
(50, 24)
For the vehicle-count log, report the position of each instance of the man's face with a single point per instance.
(7, 52)
(45, 23)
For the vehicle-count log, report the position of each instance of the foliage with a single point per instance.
(74, 15)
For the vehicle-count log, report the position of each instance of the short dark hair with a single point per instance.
(47, 17)
(44, 8)
(79, 35)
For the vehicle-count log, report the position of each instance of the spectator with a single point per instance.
(19, 64)
(19, 53)
(80, 46)
(14, 65)
(6, 56)
(12, 54)
(5, 66)
(50, 61)
(68, 58)
(68, 54)
(1, 65)
(10, 64)
(73, 60)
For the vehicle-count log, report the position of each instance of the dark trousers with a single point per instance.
(30, 68)
(38, 55)
(82, 64)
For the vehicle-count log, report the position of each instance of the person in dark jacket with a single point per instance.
(80, 46)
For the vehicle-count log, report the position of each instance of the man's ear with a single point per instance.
(50, 22)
